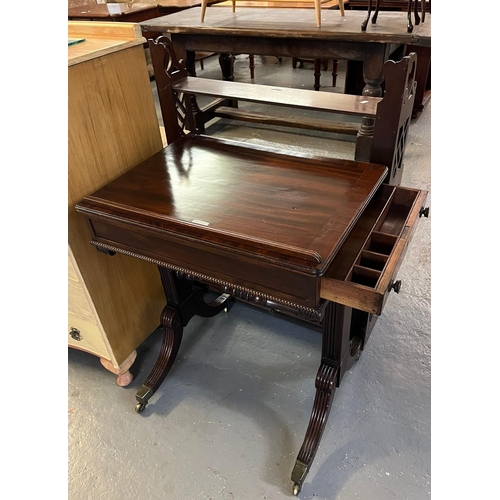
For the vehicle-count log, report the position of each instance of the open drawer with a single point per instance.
(363, 272)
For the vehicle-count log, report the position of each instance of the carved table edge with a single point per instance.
(238, 291)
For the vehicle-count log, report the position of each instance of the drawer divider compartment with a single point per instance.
(363, 270)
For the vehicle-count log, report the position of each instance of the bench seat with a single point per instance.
(280, 96)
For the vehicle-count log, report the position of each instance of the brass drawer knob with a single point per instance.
(424, 212)
(75, 334)
(396, 286)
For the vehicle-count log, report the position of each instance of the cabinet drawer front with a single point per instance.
(362, 274)
(86, 336)
(78, 303)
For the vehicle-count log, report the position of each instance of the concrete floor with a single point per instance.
(229, 420)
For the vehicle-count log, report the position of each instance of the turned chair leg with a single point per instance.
(341, 7)
(335, 72)
(364, 24)
(317, 73)
(251, 65)
(410, 24)
(317, 8)
(375, 14)
(415, 12)
(203, 9)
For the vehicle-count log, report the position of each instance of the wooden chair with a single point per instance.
(317, 8)
(410, 23)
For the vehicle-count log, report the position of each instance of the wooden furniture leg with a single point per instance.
(317, 8)
(251, 65)
(375, 14)
(123, 371)
(226, 62)
(184, 300)
(373, 78)
(338, 347)
(415, 11)
(364, 24)
(317, 73)
(335, 72)
(203, 9)
(410, 24)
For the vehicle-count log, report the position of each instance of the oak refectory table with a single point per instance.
(293, 33)
(315, 238)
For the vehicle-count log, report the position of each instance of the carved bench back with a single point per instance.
(393, 116)
(176, 108)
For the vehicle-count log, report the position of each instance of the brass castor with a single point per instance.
(139, 407)
(296, 489)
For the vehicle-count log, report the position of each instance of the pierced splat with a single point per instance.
(168, 69)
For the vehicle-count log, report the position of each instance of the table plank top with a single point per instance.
(295, 23)
(108, 10)
(296, 210)
(179, 4)
(280, 4)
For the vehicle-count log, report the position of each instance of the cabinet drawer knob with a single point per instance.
(396, 286)
(75, 334)
(424, 212)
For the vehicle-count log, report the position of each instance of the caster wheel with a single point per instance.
(139, 407)
(358, 355)
(296, 489)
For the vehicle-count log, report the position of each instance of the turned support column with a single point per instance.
(199, 123)
(373, 78)
(226, 62)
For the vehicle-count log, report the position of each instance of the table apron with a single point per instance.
(287, 47)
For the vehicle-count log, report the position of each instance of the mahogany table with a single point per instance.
(316, 238)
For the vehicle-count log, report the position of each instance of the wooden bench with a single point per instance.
(381, 137)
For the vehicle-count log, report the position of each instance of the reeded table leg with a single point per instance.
(184, 300)
(326, 382)
(172, 337)
(341, 343)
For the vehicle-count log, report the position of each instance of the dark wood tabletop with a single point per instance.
(292, 210)
(297, 23)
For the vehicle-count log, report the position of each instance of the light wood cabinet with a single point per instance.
(114, 302)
